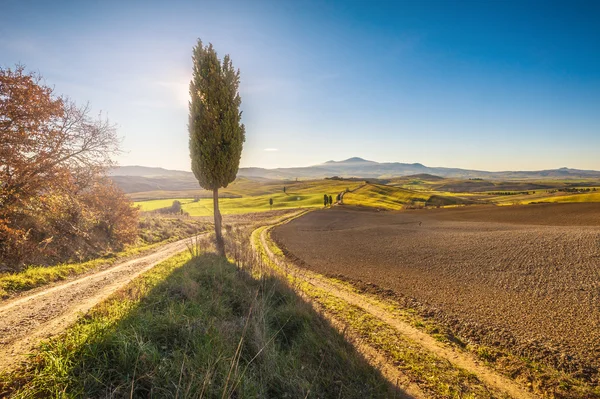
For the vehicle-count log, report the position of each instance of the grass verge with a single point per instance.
(198, 327)
(435, 376)
(154, 232)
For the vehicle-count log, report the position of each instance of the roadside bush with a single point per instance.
(55, 204)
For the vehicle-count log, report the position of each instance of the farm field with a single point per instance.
(583, 197)
(247, 195)
(254, 196)
(522, 278)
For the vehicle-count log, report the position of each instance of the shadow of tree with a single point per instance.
(205, 328)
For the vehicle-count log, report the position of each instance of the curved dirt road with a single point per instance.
(45, 312)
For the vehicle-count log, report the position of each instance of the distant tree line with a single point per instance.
(56, 202)
(509, 193)
(576, 190)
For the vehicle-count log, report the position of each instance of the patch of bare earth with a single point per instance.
(523, 278)
(45, 312)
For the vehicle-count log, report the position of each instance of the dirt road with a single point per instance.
(46, 311)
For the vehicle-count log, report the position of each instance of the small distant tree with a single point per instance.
(325, 200)
(271, 203)
(215, 129)
(176, 207)
(330, 200)
(284, 189)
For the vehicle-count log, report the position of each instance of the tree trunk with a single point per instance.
(218, 235)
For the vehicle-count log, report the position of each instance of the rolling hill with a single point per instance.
(140, 178)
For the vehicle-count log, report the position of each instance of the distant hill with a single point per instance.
(424, 176)
(146, 171)
(359, 167)
(141, 178)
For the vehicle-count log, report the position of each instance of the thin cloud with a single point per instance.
(271, 149)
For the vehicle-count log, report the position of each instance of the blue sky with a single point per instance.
(494, 85)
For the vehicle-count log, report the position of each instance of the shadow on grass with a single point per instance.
(201, 328)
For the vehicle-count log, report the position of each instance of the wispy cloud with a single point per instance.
(271, 149)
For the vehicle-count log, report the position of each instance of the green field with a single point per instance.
(582, 197)
(395, 198)
(381, 196)
(254, 197)
(247, 195)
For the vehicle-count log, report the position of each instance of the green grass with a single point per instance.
(248, 195)
(395, 198)
(382, 196)
(198, 328)
(255, 197)
(36, 276)
(583, 197)
(153, 205)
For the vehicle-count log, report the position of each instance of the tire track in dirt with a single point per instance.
(455, 357)
(26, 320)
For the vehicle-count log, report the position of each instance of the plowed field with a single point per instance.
(526, 278)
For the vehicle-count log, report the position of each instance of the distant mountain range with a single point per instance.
(141, 178)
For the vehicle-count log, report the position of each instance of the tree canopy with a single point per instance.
(54, 201)
(216, 132)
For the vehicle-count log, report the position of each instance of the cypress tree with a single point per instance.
(215, 129)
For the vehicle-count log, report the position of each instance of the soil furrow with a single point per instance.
(459, 359)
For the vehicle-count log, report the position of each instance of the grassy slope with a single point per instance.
(541, 196)
(193, 328)
(393, 198)
(36, 276)
(255, 197)
(153, 205)
(583, 197)
(381, 196)
(154, 232)
(255, 194)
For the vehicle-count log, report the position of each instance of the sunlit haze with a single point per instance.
(479, 85)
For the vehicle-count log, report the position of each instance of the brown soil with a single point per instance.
(500, 385)
(523, 278)
(45, 312)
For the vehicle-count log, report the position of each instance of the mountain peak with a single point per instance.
(355, 160)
